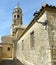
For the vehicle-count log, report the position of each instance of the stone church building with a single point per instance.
(34, 44)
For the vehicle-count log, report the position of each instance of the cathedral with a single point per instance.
(34, 44)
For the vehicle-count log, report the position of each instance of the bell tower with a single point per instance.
(16, 21)
(16, 18)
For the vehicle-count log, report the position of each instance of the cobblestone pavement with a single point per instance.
(10, 62)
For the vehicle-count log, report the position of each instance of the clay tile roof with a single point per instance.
(43, 7)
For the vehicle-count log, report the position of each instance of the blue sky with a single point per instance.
(28, 7)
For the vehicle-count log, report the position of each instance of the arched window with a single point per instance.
(17, 16)
(14, 16)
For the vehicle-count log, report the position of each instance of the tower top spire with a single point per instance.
(18, 4)
(17, 16)
(17, 8)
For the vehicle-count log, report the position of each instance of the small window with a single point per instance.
(22, 44)
(14, 16)
(17, 16)
(32, 40)
(8, 48)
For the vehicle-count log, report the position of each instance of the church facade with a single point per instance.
(34, 44)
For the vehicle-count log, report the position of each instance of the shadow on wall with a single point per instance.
(11, 62)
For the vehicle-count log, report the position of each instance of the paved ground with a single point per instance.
(10, 62)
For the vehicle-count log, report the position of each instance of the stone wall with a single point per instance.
(7, 39)
(51, 16)
(19, 32)
(0, 53)
(7, 50)
(40, 55)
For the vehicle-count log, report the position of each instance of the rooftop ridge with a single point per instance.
(44, 6)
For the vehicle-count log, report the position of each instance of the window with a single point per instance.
(32, 40)
(14, 16)
(8, 48)
(17, 16)
(22, 44)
